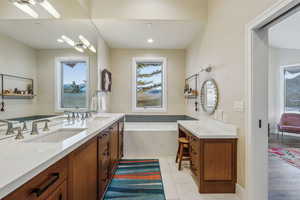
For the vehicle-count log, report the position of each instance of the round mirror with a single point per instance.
(209, 96)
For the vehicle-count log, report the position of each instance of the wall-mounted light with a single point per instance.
(26, 6)
(206, 69)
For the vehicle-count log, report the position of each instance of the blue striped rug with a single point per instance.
(136, 179)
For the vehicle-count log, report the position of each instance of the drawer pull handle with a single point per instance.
(52, 180)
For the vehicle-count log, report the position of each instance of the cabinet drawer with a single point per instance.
(60, 193)
(43, 184)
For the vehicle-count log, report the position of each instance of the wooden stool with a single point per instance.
(183, 152)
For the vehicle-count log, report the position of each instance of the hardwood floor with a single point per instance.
(284, 179)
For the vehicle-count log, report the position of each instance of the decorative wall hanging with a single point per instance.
(106, 80)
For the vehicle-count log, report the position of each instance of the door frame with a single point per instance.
(256, 166)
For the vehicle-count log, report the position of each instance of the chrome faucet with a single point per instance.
(19, 135)
(10, 130)
(35, 130)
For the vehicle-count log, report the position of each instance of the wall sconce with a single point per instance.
(206, 69)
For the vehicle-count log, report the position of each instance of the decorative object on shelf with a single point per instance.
(106, 79)
(20, 92)
(209, 96)
(191, 89)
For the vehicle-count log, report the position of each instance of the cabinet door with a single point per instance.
(104, 161)
(121, 139)
(83, 172)
(114, 146)
(60, 193)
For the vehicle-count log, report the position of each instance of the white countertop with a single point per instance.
(210, 129)
(20, 161)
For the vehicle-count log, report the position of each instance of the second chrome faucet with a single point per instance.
(35, 131)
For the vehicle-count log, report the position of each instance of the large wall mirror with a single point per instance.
(209, 96)
(50, 60)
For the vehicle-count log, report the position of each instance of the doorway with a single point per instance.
(257, 126)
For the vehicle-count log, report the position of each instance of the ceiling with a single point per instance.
(134, 33)
(43, 34)
(286, 34)
(67, 8)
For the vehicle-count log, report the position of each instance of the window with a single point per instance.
(149, 84)
(292, 89)
(72, 76)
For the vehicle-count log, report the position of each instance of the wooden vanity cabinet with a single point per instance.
(60, 193)
(195, 157)
(44, 184)
(84, 174)
(103, 161)
(121, 138)
(213, 162)
(83, 171)
(114, 148)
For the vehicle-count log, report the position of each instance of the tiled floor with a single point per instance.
(179, 185)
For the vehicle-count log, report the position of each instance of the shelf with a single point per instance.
(191, 97)
(17, 96)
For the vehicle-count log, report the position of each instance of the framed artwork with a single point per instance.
(106, 80)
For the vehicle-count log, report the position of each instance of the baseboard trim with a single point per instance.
(240, 192)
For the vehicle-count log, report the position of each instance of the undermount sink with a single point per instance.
(56, 136)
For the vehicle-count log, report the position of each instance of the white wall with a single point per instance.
(121, 62)
(150, 10)
(223, 45)
(103, 62)
(18, 59)
(46, 76)
(278, 57)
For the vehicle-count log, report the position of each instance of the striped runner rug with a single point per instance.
(136, 179)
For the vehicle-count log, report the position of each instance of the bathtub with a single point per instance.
(151, 135)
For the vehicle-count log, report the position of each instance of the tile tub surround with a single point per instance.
(156, 118)
(21, 161)
(150, 138)
(210, 129)
(152, 135)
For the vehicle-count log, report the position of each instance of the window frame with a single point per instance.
(58, 82)
(135, 60)
(283, 88)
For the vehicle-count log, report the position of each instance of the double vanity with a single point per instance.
(74, 160)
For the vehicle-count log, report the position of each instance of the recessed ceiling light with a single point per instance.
(150, 40)
(59, 40)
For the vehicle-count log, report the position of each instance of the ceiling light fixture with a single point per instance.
(79, 49)
(24, 5)
(150, 40)
(81, 45)
(84, 40)
(59, 40)
(50, 9)
(92, 49)
(68, 40)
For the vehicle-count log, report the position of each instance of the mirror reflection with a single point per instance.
(209, 96)
(49, 65)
